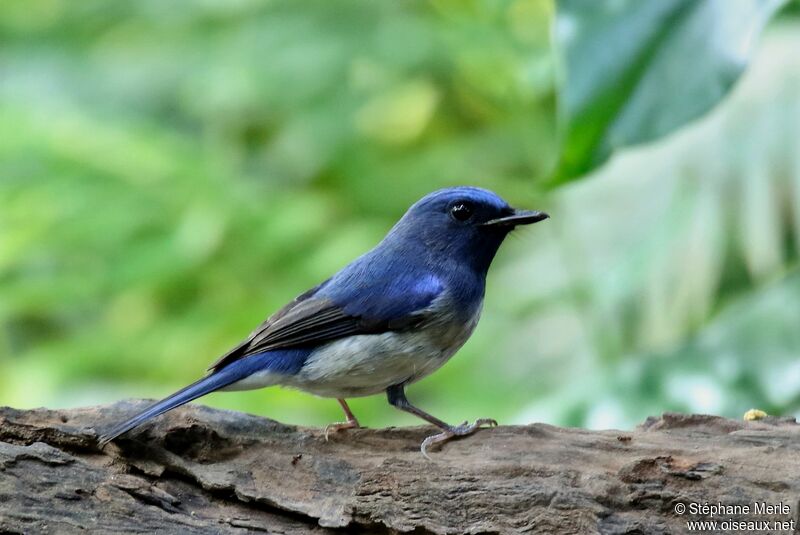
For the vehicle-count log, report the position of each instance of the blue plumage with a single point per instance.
(387, 297)
(387, 319)
(286, 361)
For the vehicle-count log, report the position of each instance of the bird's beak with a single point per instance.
(519, 217)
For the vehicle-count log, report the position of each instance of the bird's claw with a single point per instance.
(454, 431)
(340, 426)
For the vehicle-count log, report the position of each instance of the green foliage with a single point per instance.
(174, 172)
(637, 70)
(670, 279)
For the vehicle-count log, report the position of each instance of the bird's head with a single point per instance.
(463, 223)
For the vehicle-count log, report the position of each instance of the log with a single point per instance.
(201, 470)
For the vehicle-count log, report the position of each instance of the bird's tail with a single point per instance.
(201, 387)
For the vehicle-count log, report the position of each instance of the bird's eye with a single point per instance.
(461, 211)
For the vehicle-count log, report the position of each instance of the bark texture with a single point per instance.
(200, 470)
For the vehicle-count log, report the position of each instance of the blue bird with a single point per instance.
(387, 319)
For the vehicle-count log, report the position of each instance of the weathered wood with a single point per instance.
(199, 470)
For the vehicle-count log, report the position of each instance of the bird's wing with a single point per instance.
(316, 317)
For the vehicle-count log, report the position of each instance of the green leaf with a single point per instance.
(635, 70)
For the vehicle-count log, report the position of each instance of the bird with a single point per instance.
(389, 318)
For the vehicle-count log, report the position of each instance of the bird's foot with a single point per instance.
(453, 432)
(335, 428)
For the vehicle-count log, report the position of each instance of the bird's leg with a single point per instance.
(397, 398)
(351, 423)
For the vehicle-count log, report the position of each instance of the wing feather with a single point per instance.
(312, 319)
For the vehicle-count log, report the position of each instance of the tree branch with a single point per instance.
(199, 470)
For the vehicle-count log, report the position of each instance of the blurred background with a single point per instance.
(173, 172)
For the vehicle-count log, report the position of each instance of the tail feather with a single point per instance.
(195, 390)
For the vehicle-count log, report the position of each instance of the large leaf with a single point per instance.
(635, 70)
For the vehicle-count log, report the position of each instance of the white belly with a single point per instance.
(368, 364)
